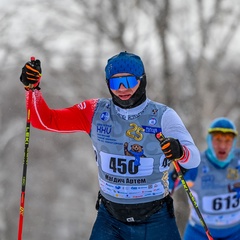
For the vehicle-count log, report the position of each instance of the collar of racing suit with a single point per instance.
(131, 113)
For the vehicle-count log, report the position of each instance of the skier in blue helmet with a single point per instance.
(216, 156)
(131, 64)
(133, 201)
(216, 185)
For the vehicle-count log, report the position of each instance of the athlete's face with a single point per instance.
(222, 144)
(124, 93)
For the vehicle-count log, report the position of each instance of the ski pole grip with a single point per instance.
(160, 137)
(32, 59)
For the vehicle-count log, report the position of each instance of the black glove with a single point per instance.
(171, 147)
(31, 74)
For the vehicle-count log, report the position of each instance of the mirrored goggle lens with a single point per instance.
(127, 81)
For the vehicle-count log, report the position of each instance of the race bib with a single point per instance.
(129, 166)
(221, 203)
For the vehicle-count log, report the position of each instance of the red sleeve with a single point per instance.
(67, 120)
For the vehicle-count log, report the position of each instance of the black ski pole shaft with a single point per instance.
(161, 137)
(25, 161)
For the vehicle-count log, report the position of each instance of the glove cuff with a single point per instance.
(27, 88)
(185, 156)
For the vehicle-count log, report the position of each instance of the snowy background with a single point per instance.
(191, 53)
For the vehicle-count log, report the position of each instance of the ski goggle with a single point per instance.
(127, 81)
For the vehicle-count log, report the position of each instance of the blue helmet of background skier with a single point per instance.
(220, 125)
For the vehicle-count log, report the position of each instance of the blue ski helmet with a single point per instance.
(124, 62)
(223, 125)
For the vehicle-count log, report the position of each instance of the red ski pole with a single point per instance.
(161, 137)
(25, 160)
